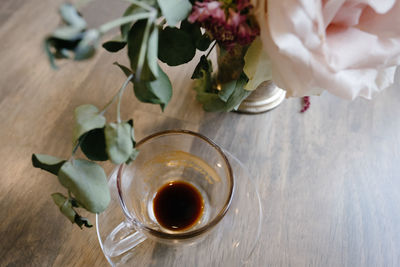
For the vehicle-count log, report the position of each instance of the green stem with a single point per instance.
(121, 91)
(104, 109)
(78, 143)
(121, 21)
(143, 49)
(212, 47)
(142, 5)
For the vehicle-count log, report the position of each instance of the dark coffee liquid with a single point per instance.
(178, 205)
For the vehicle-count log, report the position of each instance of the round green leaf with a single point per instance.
(131, 10)
(203, 65)
(156, 92)
(175, 10)
(47, 163)
(88, 45)
(93, 145)
(125, 69)
(175, 47)
(71, 16)
(119, 143)
(87, 118)
(87, 181)
(193, 29)
(65, 206)
(227, 90)
(204, 42)
(152, 51)
(228, 99)
(67, 33)
(135, 39)
(114, 45)
(82, 221)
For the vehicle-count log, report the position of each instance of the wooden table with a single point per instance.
(329, 179)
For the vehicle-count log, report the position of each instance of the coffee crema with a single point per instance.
(178, 205)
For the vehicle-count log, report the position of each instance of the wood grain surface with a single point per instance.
(329, 179)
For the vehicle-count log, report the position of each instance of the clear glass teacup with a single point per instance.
(178, 188)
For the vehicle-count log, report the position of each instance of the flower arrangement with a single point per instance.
(348, 48)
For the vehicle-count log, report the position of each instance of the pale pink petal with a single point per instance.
(384, 25)
(290, 21)
(380, 6)
(353, 48)
(348, 15)
(330, 9)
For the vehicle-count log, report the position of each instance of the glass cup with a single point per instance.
(169, 158)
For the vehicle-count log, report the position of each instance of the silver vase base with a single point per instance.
(266, 97)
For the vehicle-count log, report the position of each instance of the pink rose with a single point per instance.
(348, 47)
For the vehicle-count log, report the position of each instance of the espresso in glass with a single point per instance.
(178, 205)
(178, 188)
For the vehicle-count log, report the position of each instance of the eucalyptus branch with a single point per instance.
(104, 109)
(143, 49)
(121, 91)
(142, 4)
(117, 95)
(124, 20)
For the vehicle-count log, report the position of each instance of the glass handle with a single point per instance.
(123, 238)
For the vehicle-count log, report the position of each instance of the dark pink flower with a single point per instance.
(228, 24)
(246, 34)
(203, 11)
(242, 4)
(235, 19)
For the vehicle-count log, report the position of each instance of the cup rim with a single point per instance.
(189, 234)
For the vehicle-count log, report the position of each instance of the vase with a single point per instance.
(264, 98)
